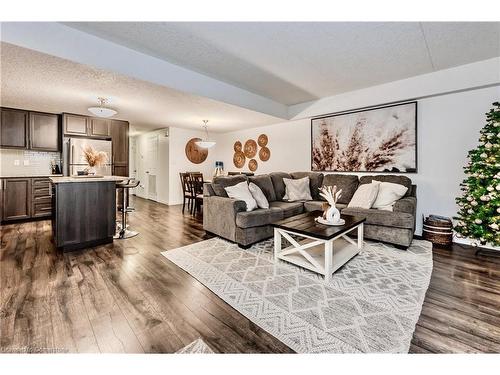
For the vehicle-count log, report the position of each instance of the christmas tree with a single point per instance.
(478, 216)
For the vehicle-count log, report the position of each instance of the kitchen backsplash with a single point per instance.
(26, 162)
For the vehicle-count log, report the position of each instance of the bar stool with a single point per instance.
(123, 232)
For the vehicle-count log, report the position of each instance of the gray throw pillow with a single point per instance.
(297, 190)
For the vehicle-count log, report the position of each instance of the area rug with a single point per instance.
(371, 305)
(196, 347)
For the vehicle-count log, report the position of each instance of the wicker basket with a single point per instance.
(438, 230)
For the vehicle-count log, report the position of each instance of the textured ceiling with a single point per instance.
(297, 62)
(41, 82)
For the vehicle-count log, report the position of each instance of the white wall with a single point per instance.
(448, 126)
(178, 162)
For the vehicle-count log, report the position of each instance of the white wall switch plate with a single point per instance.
(26, 162)
(16, 162)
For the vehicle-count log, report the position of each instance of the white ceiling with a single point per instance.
(296, 62)
(37, 81)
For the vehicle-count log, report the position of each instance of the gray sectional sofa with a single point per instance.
(229, 219)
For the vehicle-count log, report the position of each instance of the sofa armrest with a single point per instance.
(407, 205)
(219, 215)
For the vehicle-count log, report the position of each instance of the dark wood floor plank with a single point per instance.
(127, 297)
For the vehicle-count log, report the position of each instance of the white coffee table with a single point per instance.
(320, 248)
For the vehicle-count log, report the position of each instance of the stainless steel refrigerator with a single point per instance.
(77, 160)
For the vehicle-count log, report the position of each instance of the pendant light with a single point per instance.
(205, 143)
(102, 111)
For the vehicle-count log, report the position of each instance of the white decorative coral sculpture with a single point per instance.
(332, 214)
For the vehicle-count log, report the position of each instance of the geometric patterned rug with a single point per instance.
(371, 305)
(196, 347)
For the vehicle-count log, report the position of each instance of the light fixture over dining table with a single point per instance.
(205, 143)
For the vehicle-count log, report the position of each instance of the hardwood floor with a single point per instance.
(126, 297)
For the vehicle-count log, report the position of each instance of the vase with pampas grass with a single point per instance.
(94, 159)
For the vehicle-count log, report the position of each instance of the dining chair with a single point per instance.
(196, 179)
(187, 192)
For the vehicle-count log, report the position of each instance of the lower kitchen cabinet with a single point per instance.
(16, 198)
(41, 198)
(25, 198)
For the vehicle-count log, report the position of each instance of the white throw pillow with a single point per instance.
(258, 195)
(297, 190)
(365, 195)
(241, 192)
(388, 194)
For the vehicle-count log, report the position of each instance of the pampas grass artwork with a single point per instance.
(377, 140)
(94, 158)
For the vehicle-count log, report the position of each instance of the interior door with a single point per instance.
(151, 166)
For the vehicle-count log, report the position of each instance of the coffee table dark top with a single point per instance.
(305, 224)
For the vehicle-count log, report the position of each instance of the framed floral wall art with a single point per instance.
(382, 139)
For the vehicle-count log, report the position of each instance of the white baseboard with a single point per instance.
(466, 241)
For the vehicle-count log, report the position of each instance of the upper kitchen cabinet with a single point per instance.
(119, 137)
(99, 127)
(14, 128)
(44, 132)
(29, 130)
(75, 124)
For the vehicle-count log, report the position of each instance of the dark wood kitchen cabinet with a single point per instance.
(14, 128)
(75, 124)
(30, 130)
(41, 197)
(25, 198)
(119, 136)
(44, 134)
(16, 198)
(99, 127)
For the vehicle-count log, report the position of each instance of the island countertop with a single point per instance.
(73, 179)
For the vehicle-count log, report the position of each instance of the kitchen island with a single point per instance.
(84, 211)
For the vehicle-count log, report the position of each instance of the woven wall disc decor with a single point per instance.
(250, 148)
(237, 146)
(239, 159)
(264, 154)
(195, 154)
(262, 140)
(252, 165)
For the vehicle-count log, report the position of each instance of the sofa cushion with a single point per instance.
(221, 182)
(315, 181)
(383, 218)
(266, 185)
(258, 217)
(348, 184)
(288, 208)
(401, 180)
(316, 206)
(278, 184)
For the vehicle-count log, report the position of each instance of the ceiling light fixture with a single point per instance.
(102, 111)
(207, 143)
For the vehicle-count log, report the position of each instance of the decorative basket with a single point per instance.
(438, 230)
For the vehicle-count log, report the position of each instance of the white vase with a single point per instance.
(333, 215)
(90, 170)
